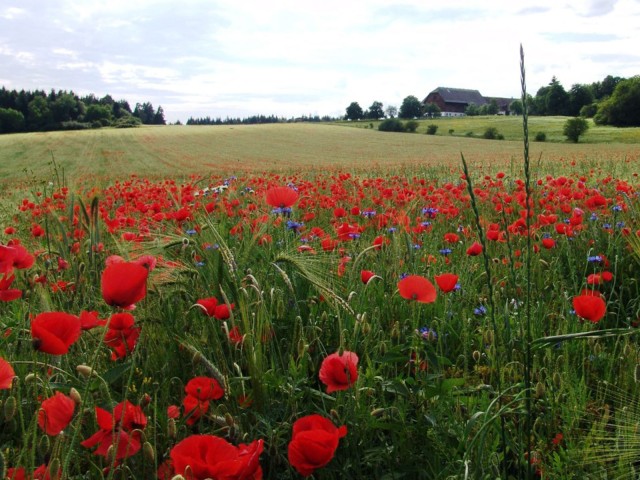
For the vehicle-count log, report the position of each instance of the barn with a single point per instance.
(453, 101)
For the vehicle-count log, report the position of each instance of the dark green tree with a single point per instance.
(556, 99)
(354, 112)
(472, 110)
(574, 128)
(432, 110)
(158, 117)
(411, 107)
(579, 96)
(11, 121)
(375, 111)
(66, 107)
(98, 113)
(622, 108)
(39, 113)
(144, 111)
(516, 107)
(492, 107)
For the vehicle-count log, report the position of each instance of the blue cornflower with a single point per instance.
(620, 225)
(445, 251)
(417, 246)
(480, 311)
(430, 211)
(369, 213)
(403, 275)
(293, 225)
(594, 259)
(616, 208)
(593, 217)
(191, 232)
(606, 226)
(286, 211)
(426, 224)
(391, 229)
(427, 334)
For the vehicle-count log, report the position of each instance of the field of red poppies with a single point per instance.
(334, 325)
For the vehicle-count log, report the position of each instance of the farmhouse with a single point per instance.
(454, 101)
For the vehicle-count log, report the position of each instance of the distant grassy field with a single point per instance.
(99, 156)
(511, 128)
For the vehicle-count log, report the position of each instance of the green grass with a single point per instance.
(511, 128)
(101, 156)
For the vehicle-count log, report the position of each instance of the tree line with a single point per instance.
(37, 111)
(257, 119)
(612, 101)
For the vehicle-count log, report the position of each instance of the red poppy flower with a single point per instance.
(451, 237)
(211, 308)
(313, 443)
(474, 250)
(446, 282)
(55, 332)
(366, 276)
(89, 320)
(379, 241)
(55, 413)
(548, 243)
(8, 294)
(118, 428)
(122, 335)
(22, 259)
(124, 284)
(194, 408)
(590, 307)
(208, 456)
(6, 374)
(418, 288)
(204, 388)
(339, 372)
(281, 197)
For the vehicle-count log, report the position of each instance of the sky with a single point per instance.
(290, 58)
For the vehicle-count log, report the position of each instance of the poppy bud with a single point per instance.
(540, 390)
(30, 378)
(43, 445)
(111, 452)
(171, 428)
(10, 408)
(476, 355)
(377, 412)
(148, 452)
(334, 415)
(54, 469)
(302, 347)
(628, 350)
(488, 337)
(75, 396)
(557, 380)
(177, 477)
(82, 267)
(85, 370)
(229, 419)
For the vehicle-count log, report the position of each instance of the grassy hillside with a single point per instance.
(511, 128)
(104, 155)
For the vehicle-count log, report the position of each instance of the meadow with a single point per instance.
(289, 301)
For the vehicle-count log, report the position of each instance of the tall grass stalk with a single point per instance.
(528, 364)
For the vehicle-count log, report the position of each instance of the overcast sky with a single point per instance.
(297, 57)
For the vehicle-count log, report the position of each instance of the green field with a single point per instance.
(511, 128)
(99, 156)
